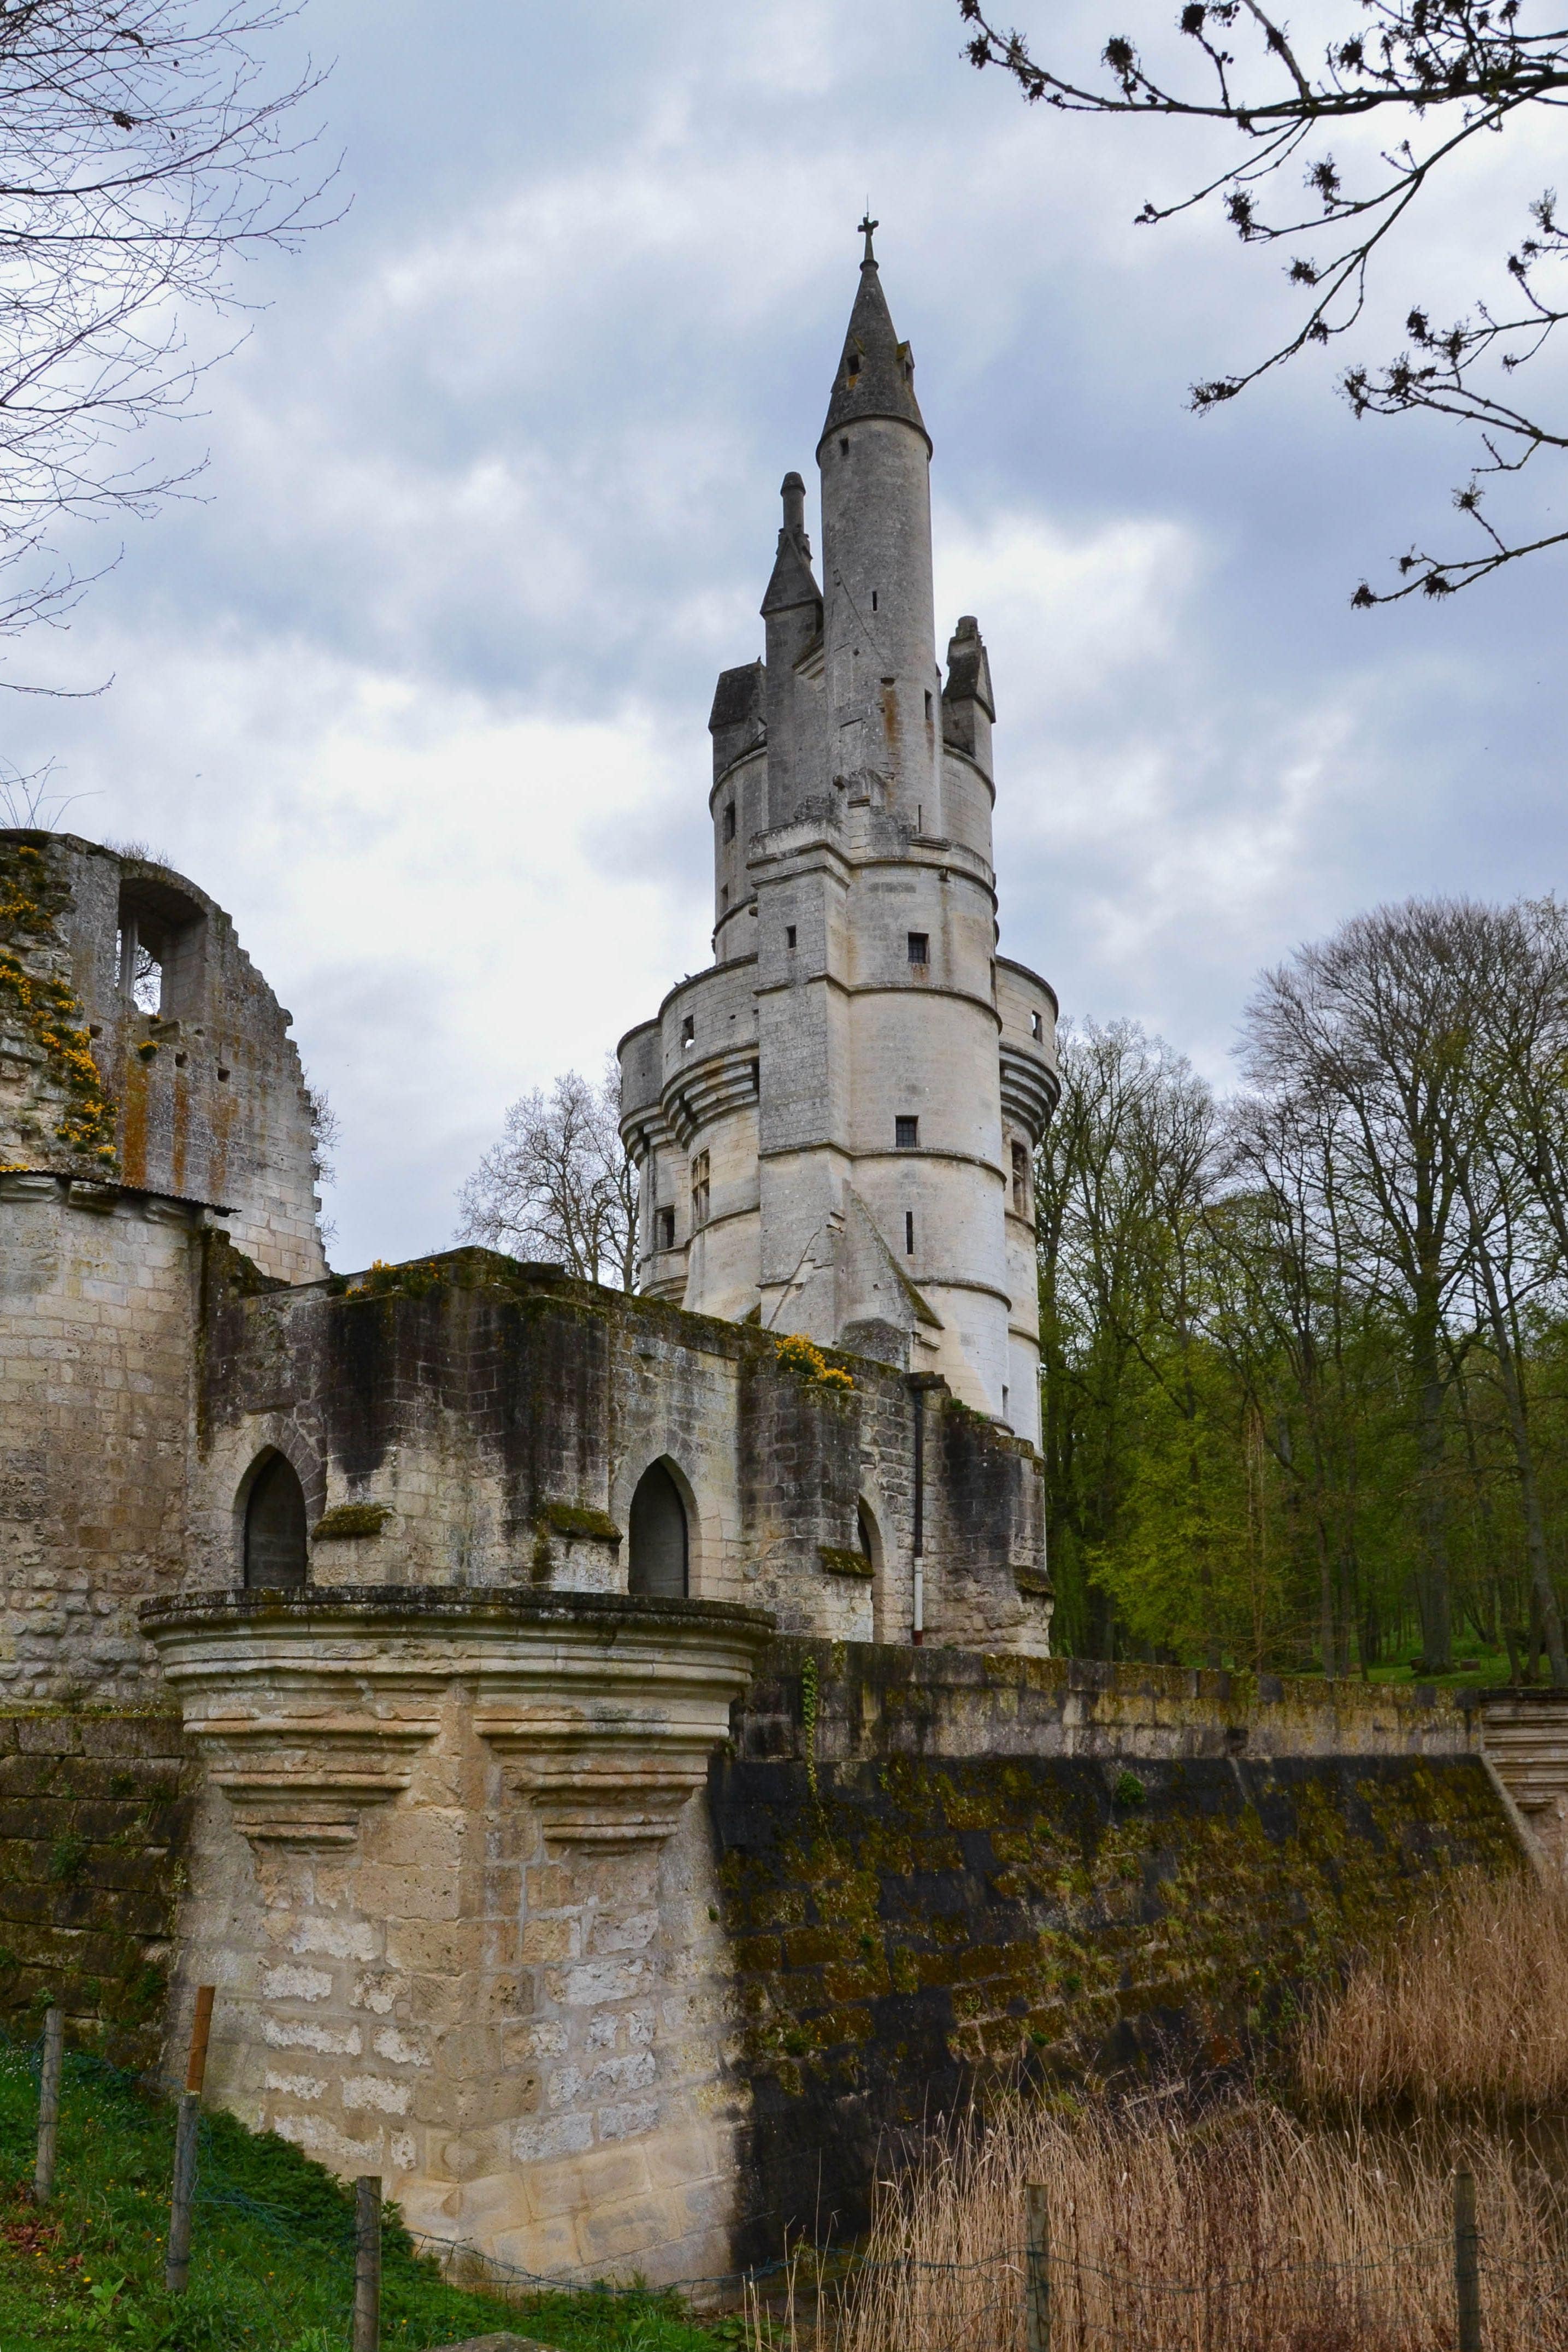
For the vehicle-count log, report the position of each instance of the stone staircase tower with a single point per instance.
(835, 1124)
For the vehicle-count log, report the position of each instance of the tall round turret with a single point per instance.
(882, 682)
(834, 1125)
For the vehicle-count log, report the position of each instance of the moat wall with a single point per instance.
(992, 1859)
(962, 1876)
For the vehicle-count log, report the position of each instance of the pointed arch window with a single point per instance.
(658, 1566)
(275, 1542)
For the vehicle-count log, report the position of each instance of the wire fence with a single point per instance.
(1064, 2281)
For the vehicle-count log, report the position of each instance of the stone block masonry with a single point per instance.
(976, 1863)
(94, 1814)
(491, 1422)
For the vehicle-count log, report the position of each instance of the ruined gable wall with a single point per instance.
(201, 1098)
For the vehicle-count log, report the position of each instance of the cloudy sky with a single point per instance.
(418, 687)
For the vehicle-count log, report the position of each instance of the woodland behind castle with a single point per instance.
(1306, 1349)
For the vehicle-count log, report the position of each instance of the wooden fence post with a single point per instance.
(49, 2104)
(1038, 2270)
(177, 2261)
(1466, 2263)
(367, 2262)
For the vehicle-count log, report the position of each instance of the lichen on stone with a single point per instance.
(37, 1005)
(349, 1521)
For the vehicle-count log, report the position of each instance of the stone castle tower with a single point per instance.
(834, 1125)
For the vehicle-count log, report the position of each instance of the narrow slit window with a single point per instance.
(689, 1030)
(873, 600)
(729, 819)
(909, 1233)
(844, 446)
(789, 936)
(724, 897)
(663, 1229)
(930, 707)
(906, 1134)
(700, 1190)
(919, 947)
(1034, 1024)
(1021, 1177)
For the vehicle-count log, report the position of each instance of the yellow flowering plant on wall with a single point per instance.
(801, 1356)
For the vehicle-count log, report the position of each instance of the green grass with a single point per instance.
(272, 2264)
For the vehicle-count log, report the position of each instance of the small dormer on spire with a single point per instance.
(968, 705)
(793, 583)
(876, 372)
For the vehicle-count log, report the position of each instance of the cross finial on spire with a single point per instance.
(866, 227)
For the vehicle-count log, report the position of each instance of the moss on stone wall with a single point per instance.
(37, 1006)
(905, 1926)
(93, 1815)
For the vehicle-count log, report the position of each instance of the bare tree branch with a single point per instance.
(1457, 70)
(142, 149)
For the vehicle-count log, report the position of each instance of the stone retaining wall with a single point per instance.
(94, 1811)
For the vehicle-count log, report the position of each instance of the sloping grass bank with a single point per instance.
(272, 2264)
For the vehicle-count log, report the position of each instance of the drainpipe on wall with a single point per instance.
(919, 1542)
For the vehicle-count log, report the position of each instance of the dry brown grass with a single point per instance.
(1243, 2231)
(1248, 2227)
(1467, 2007)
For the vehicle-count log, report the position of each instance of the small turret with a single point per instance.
(792, 610)
(968, 706)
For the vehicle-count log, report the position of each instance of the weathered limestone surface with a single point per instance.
(503, 1417)
(475, 1927)
(203, 1083)
(453, 1879)
(99, 1314)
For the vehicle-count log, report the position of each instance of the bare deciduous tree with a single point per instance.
(1442, 75)
(141, 148)
(559, 1185)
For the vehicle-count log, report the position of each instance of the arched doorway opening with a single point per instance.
(275, 1547)
(657, 1565)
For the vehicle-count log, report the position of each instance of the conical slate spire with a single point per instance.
(792, 581)
(877, 372)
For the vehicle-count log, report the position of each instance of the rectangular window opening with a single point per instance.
(663, 1229)
(909, 1233)
(920, 946)
(700, 1190)
(1034, 1024)
(689, 1030)
(729, 819)
(930, 707)
(905, 1133)
(873, 600)
(724, 898)
(1005, 1396)
(789, 935)
(1021, 1177)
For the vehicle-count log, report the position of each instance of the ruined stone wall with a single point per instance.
(936, 1866)
(182, 1081)
(492, 1422)
(100, 1292)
